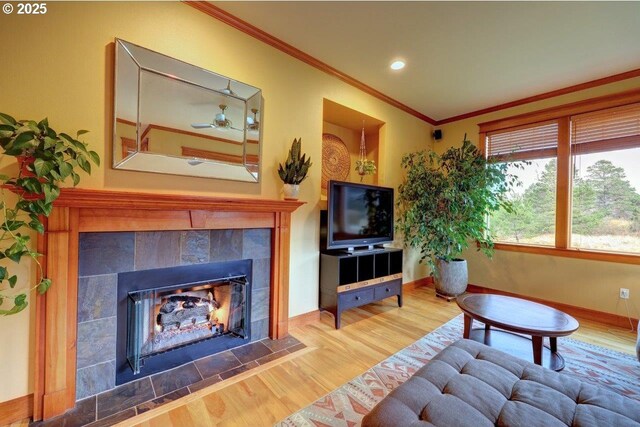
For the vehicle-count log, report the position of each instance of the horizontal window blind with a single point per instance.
(606, 130)
(533, 142)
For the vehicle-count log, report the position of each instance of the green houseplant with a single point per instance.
(443, 205)
(46, 159)
(295, 170)
(365, 167)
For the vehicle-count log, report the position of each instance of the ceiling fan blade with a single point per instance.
(203, 125)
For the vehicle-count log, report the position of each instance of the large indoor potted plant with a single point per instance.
(45, 160)
(443, 206)
(294, 170)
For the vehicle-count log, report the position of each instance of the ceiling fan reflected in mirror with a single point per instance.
(252, 122)
(227, 90)
(220, 121)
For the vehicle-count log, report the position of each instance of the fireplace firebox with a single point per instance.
(170, 316)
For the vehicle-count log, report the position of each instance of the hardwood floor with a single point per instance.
(370, 334)
(333, 358)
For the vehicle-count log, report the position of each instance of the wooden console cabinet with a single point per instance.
(351, 280)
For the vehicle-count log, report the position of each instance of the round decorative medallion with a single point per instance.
(336, 162)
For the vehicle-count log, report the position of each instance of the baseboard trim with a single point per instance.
(582, 312)
(304, 319)
(425, 281)
(16, 409)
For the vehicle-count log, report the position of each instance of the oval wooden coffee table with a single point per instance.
(516, 317)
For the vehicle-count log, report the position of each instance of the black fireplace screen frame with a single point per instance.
(174, 277)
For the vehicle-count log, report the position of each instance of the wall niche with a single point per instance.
(342, 132)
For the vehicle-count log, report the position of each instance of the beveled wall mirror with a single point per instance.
(175, 118)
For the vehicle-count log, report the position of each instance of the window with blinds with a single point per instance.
(606, 130)
(533, 219)
(579, 168)
(532, 142)
(605, 208)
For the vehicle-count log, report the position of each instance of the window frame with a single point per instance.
(562, 114)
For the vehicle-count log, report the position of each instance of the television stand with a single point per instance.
(363, 250)
(353, 279)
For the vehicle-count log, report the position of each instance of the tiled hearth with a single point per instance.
(136, 397)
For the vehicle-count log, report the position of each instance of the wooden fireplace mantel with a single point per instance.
(79, 210)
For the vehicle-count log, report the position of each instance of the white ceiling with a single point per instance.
(461, 56)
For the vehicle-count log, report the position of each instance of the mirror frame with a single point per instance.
(140, 159)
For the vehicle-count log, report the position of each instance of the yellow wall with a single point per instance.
(60, 68)
(583, 283)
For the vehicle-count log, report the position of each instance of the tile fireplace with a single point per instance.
(75, 340)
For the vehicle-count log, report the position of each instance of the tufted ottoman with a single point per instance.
(470, 384)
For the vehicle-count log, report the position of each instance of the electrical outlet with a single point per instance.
(624, 293)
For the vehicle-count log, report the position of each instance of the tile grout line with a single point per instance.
(198, 370)
(91, 366)
(96, 320)
(155, 395)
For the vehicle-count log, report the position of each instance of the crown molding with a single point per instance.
(253, 31)
(558, 92)
(275, 42)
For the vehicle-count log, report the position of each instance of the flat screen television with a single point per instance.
(358, 215)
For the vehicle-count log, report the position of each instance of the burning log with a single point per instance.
(188, 301)
(180, 311)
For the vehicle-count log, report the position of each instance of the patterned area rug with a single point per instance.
(346, 405)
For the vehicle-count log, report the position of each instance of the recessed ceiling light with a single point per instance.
(397, 65)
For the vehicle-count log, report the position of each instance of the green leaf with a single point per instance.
(37, 226)
(60, 147)
(67, 137)
(84, 164)
(20, 299)
(51, 192)
(3, 273)
(42, 167)
(43, 207)
(76, 178)
(49, 142)
(12, 281)
(44, 285)
(11, 225)
(16, 309)
(32, 125)
(81, 132)
(44, 124)
(32, 185)
(23, 141)
(94, 157)
(65, 169)
(5, 118)
(55, 175)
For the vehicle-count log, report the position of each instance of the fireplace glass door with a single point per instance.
(166, 318)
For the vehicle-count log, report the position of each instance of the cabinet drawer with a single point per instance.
(387, 290)
(355, 299)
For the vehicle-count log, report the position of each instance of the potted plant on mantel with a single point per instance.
(294, 171)
(46, 159)
(443, 205)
